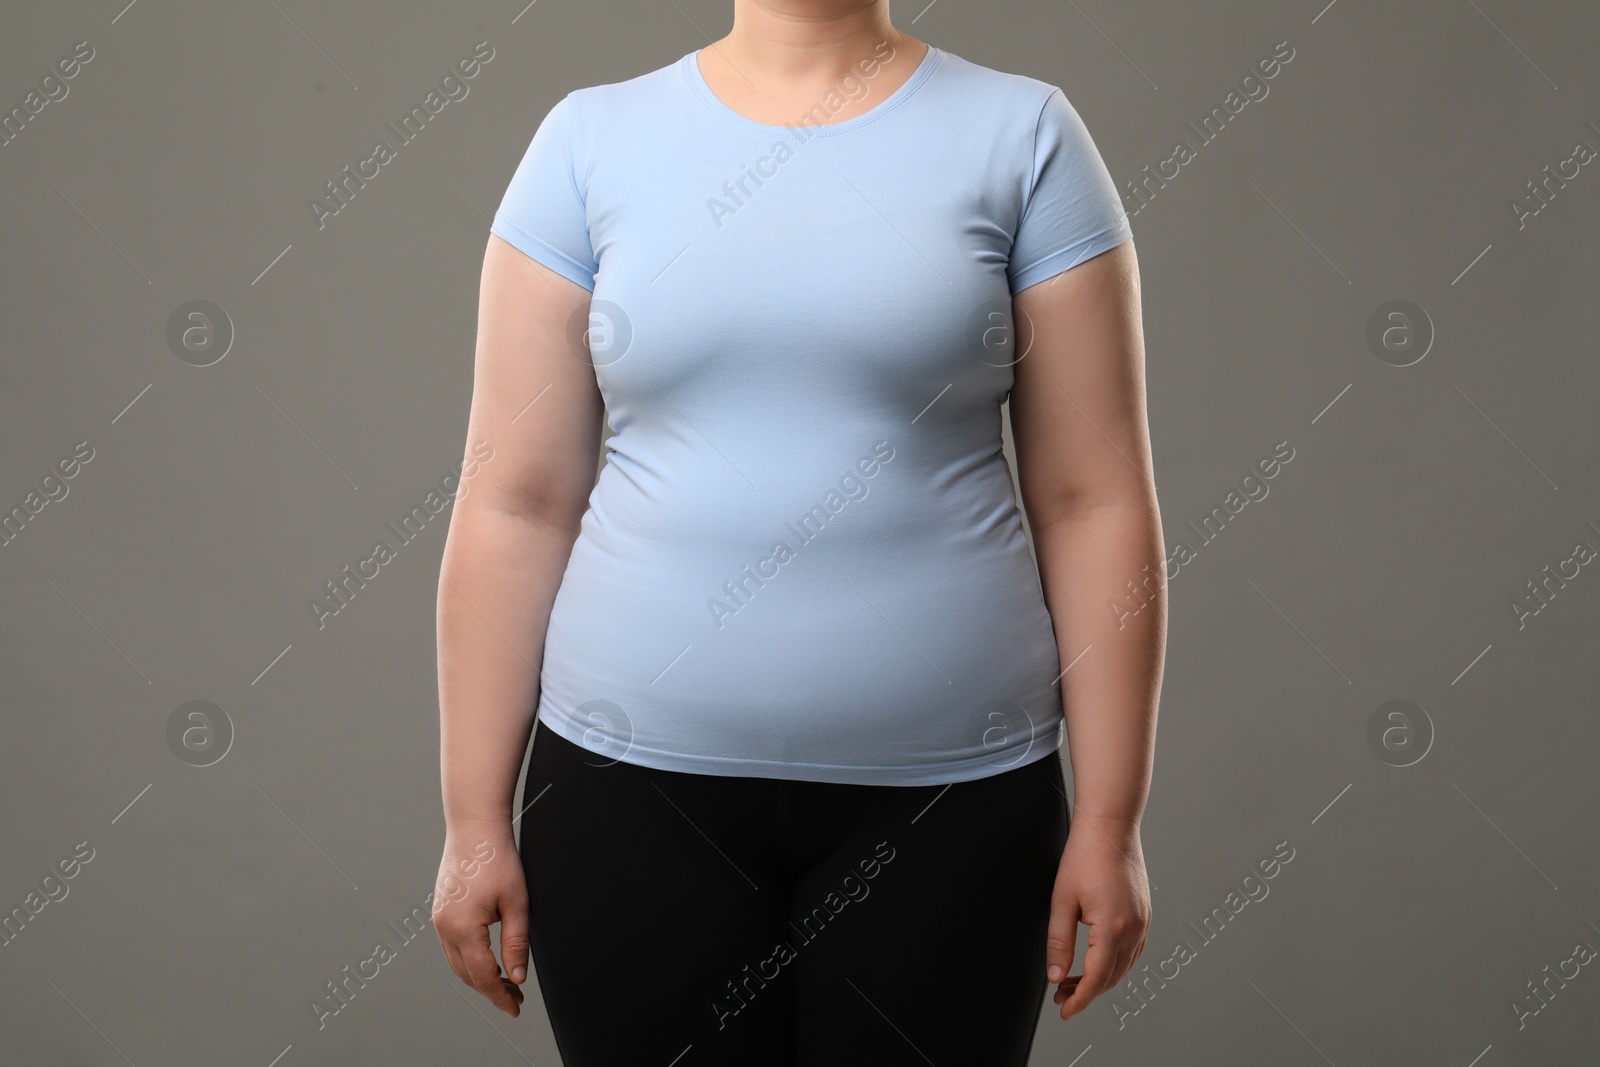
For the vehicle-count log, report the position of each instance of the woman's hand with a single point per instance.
(481, 883)
(1102, 882)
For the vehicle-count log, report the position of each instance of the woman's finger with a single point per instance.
(1061, 935)
(514, 939)
(469, 937)
(1097, 964)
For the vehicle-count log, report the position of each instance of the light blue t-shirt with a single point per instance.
(804, 559)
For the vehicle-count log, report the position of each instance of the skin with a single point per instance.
(1083, 464)
(504, 556)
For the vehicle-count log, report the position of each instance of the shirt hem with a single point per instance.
(942, 772)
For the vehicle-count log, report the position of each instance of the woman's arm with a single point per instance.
(1083, 463)
(536, 404)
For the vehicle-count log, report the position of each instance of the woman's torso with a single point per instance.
(804, 558)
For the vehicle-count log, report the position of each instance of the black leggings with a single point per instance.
(690, 919)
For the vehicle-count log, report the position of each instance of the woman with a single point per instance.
(797, 795)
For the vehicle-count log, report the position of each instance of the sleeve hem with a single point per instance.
(1066, 258)
(543, 251)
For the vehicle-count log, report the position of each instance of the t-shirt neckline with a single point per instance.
(690, 67)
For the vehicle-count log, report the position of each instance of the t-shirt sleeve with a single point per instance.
(542, 213)
(1071, 212)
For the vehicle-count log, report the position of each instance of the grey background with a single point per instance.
(1382, 565)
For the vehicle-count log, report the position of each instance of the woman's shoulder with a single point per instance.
(1004, 89)
(625, 96)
